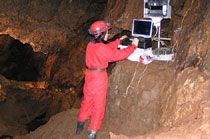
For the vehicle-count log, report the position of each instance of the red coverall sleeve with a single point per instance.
(112, 55)
(114, 44)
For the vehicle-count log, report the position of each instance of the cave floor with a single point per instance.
(62, 126)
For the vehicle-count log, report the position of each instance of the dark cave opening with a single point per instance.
(17, 60)
(37, 122)
(6, 137)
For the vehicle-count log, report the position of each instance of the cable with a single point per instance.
(125, 94)
(142, 74)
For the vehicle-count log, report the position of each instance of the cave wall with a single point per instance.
(55, 29)
(187, 99)
(122, 12)
(191, 42)
(45, 25)
(185, 103)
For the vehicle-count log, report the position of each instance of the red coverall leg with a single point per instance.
(94, 101)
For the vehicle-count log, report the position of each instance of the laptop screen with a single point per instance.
(142, 28)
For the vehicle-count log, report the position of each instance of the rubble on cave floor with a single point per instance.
(62, 126)
(27, 105)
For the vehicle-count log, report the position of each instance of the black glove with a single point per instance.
(126, 42)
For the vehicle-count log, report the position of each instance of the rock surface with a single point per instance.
(185, 109)
(45, 25)
(134, 96)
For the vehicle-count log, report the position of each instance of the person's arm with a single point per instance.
(117, 55)
(111, 55)
(114, 44)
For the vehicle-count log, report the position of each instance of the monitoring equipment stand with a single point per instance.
(157, 10)
(157, 24)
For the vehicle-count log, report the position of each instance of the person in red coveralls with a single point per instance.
(98, 54)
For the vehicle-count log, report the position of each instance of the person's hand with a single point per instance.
(123, 37)
(135, 41)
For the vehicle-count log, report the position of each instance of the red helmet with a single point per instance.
(99, 27)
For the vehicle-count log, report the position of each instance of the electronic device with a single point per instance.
(142, 28)
(157, 8)
(143, 42)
